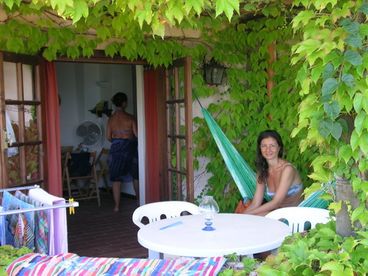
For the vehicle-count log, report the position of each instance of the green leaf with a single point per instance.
(322, 4)
(363, 143)
(365, 102)
(353, 57)
(174, 11)
(354, 140)
(303, 17)
(227, 7)
(332, 110)
(9, 3)
(348, 79)
(271, 11)
(345, 152)
(111, 49)
(61, 4)
(73, 52)
(325, 128)
(79, 10)
(316, 73)
(358, 212)
(328, 71)
(308, 46)
(329, 87)
(196, 5)
(158, 28)
(363, 30)
(336, 130)
(352, 27)
(354, 40)
(333, 266)
(359, 122)
(358, 100)
(103, 32)
(364, 8)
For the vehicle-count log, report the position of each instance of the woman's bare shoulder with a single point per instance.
(288, 168)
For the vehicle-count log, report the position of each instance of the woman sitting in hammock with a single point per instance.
(275, 176)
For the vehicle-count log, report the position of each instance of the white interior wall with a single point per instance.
(81, 86)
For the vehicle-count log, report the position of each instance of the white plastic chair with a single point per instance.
(300, 219)
(152, 212)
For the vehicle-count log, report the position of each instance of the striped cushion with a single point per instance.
(72, 264)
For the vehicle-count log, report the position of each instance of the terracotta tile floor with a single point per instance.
(99, 232)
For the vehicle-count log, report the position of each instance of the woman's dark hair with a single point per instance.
(261, 163)
(119, 98)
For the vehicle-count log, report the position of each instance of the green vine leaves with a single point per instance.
(244, 107)
(319, 252)
(120, 27)
(334, 87)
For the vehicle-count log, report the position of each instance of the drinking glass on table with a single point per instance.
(208, 207)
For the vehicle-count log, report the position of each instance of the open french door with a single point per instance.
(168, 132)
(21, 147)
(179, 141)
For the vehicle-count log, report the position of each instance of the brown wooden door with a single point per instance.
(21, 144)
(168, 127)
(178, 90)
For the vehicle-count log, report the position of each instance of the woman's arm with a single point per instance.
(286, 180)
(257, 199)
(108, 130)
(134, 128)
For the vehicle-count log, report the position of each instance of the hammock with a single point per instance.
(242, 173)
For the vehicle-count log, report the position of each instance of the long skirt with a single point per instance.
(123, 159)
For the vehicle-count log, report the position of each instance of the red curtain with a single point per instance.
(152, 141)
(52, 131)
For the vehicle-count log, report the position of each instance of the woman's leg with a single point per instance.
(116, 187)
(136, 188)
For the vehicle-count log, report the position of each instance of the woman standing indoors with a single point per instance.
(123, 156)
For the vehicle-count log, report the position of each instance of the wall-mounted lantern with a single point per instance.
(213, 72)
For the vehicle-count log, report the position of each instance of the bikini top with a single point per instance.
(121, 131)
(293, 189)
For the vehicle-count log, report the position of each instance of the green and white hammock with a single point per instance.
(242, 173)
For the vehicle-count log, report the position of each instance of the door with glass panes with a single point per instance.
(179, 130)
(20, 121)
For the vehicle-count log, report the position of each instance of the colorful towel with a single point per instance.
(72, 264)
(19, 228)
(2, 228)
(41, 237)
(57, 222)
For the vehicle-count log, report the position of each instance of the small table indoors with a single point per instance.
(234, 233)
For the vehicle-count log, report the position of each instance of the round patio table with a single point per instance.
(234, 233)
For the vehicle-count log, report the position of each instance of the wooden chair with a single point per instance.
(102, 168)
(64, 150)
(81, 167)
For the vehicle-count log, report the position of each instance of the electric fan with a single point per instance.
(89, 132)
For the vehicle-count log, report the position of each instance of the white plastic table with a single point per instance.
(234, 233)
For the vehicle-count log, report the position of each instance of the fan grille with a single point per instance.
(90, 133)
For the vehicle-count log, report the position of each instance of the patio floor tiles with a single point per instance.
(99, 232)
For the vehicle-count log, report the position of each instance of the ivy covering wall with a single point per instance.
(246, 108)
